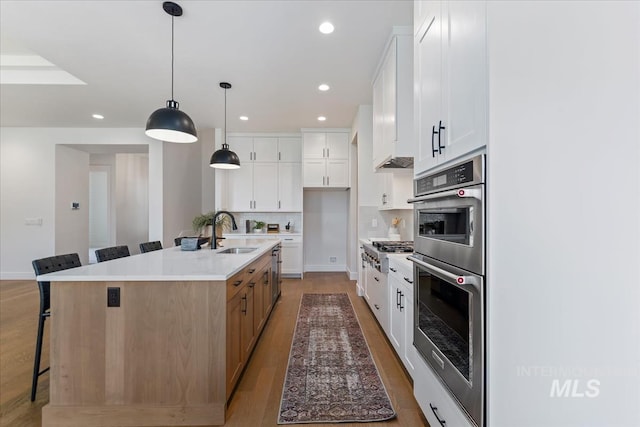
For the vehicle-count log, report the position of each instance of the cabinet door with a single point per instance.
(234, 346)
(464, 75)
(378, 120)
(265, 149)
(240, 193)
(258, 305)
(314, 173)
(428, 90)
(396, 318)
(267, 299)
(409, 352)
(242, 146)
(265, 187)
(290, 187)
(337, 146)
(389, 130)
(291, 258)
(314, 145)
(246, 334)
(337, 173)
(290, 149)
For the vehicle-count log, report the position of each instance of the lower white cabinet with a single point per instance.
(434, 399)
(377, 296)
(292, 255)
(401, 311)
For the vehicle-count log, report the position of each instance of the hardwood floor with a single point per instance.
(256, 400)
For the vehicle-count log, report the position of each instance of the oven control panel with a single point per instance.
(467, 173)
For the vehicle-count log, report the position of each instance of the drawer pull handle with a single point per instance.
(407, 279)
(434, 409)
(376, 279)
(252, 270)
(393, 269)
(376, 306)
(251, 284)
(238, 283)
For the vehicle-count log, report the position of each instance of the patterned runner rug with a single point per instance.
(331, 376)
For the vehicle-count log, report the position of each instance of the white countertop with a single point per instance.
(261, 235)
(169, 264)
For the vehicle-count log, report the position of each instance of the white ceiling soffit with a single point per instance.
(270, 51)
(19, 66)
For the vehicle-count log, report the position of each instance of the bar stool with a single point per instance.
(44, 266)
(113, 252)
(150, 246)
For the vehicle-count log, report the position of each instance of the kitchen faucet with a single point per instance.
(214, 244)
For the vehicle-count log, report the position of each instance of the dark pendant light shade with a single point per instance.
(169, 123)
(225, 158)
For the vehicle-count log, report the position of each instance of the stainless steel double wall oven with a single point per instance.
(449, 271)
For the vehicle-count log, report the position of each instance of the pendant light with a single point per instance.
(169, 123)
(225, 158)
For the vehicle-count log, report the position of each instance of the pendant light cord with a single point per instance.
(172, 57)
(225, 115)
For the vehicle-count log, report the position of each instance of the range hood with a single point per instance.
(398, 163)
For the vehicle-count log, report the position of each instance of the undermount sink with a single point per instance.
(237, 250)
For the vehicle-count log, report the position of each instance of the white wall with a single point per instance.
(72, 185)
(182, 188)
(564, 213)
(325, 229)
(132, 200)
(106, 163)
(27, 188)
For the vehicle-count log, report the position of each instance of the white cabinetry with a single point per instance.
(291, 255)
(450, 68)
(289, 187)
(253, 187)
(396, 189)
(326, 159)
(401, 310)
(393, 100)
(377, 296)
(434, 399)
(270, 174)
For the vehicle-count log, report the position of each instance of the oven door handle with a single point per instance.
(475, 193)
(459, 280)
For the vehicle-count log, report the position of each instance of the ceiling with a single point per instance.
(270, 51)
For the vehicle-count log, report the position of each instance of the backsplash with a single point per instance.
(281, 218)
(376, 223)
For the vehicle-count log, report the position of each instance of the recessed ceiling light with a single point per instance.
(326, 28)
(244, 118)
(97, 116)
(322, 118)
(323, 87)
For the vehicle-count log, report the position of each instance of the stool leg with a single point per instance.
(36, 362)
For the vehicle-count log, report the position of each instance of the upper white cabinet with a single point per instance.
(326, 159)
(290, 149)
(289, 186)
(450, 67)
(396, 189)
(270, 174)
(393, 101)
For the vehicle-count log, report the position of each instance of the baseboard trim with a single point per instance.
(11, 275)
(325, 268)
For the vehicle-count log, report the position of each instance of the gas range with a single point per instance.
(375, 253)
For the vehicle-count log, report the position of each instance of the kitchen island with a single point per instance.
(155, 339)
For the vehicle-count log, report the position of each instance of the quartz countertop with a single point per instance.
(261, 235)
(170, 264)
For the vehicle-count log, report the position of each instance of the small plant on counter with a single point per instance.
(258, 225)
(200, 222)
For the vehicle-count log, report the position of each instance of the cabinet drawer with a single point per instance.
(235, 284)
(434, 399)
